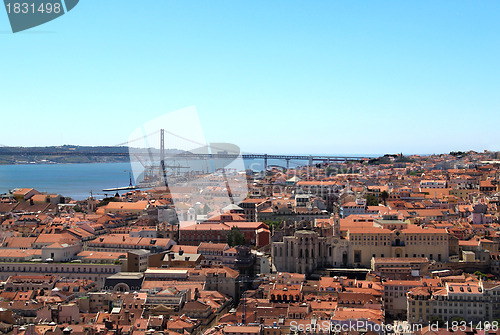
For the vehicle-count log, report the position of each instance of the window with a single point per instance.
(357, 256)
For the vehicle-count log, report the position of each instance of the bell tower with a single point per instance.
(336, 225)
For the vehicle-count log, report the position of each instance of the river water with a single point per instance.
(78, 180)
(74, 180)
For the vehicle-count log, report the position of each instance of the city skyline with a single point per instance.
(249, 168)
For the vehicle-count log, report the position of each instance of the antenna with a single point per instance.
(244, 314)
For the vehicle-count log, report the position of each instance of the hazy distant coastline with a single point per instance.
(68, 154)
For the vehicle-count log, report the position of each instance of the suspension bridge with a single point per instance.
(122, 150)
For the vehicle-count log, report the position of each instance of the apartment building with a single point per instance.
(124, 242)
(213, 251)
(252, 206)
(25, 283)
(137, 260)
(95, 272)
(474, 301)
(217, 232)
(395, 295)
(400, 268)
(354, 207)
(319, 187)
(221, 279)
(433, 184)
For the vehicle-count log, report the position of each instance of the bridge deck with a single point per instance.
(183, 155)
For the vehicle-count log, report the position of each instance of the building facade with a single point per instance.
(474, 301)
(306, 250)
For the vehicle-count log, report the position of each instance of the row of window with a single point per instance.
(410, 238)
(430, 256)
(57, 269)
(301, 253)
(402, 243)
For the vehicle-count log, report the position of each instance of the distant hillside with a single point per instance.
(42, 155)
(390, 159)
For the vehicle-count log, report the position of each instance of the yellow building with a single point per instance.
(314, 248)
(474, 301)
(409, 241)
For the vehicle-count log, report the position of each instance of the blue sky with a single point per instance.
(270, 76)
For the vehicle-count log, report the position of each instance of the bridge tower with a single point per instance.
(162, 145)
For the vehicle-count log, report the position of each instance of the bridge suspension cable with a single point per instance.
(137, 139)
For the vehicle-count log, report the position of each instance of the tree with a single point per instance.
(206, 209)
(78, 209)
(329, 171)
(384, 196)
(273, 224)
(481, 275)
(371, 200)
(457, 319)
(235, 237)
(106, 201)
(436, 320)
